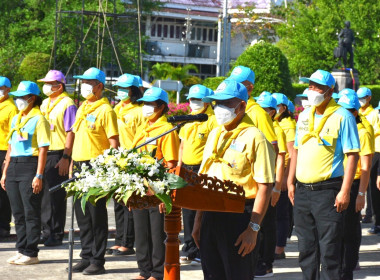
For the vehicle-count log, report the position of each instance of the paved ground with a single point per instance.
(54, 262)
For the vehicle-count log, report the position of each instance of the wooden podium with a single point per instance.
(202, 193)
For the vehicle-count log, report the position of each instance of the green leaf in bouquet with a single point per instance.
(175, 181)
(166, 200)
(126, 196)
(83, 204)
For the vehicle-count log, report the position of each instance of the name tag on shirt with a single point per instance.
(91, 118)
(51, 127)
(22, 137)
(237, 146)
(151, 143)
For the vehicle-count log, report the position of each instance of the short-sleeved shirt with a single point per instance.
(281, 138)
(35, 134)
(289, 127)
(166, 147)
(250, 157)
(93, 133)
(194, 136)
(61, 119)
(8, 110)
(319, 162)
(261, 120)
(129, 118)
(373, 118)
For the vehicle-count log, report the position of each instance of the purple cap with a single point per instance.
(54, 75)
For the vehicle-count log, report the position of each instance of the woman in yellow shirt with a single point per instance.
(288, 124)
(29, 141)
(129, 118)
(149, 223)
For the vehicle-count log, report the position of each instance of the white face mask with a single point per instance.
(86, 91)
(305, 103)
(196, 105)
(363, 102)
(46, 89)
(122, 94)
(224, 115)
(148, 111)
(22, 104)
(315, 98)
(1, 93)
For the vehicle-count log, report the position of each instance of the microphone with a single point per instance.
(188, 118)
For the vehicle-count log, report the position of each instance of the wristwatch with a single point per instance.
(39, 176)
(361, 193)
(65, 156)
(255, 227)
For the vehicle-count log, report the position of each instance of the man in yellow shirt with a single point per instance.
(193, 137)
(352, 231)
(260, 118)
(7, 111)
(95, 130)
(237, 151)
(373, 194)
(326, 134)
(59, 109)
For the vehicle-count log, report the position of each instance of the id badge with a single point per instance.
(22, 137)
(52, 127)
(237, 146)
(91, 118)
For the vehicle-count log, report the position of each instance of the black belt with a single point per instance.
(55, 152)
(249, 201)
(192, 167)
(24, 159)
(323, 185)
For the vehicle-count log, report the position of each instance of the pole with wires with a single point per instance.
(140, 43)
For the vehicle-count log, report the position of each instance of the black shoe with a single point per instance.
(79, 267)
(94, 269)
(367, 220)
(42, 240)
(130, 251)
(374, 230)
(4, 233)
(279, 256)
(52, 242)
(262, 271)
(109, 251)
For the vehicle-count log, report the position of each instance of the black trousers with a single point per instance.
(352, 235)
(319, 228)
(26, 206)
(375, 193)
(189, 247)
(125, 231)
(5, 207)
(150, 238)
(283, 219)
(93, 227)
(267, 243)
(220, 258)
(54, 204)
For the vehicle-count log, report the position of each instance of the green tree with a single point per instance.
(164, 71)
(270, 66)
(34, 66)
(309, 36)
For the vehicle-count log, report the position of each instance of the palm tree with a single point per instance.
(164, 71)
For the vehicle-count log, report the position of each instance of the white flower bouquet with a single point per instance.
(119, 173)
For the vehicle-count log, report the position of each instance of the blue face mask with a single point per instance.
(122, 94)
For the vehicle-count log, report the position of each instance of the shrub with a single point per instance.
(298, 89)
(34, 66)
(214, 82)
(178, 109)
(270, 66)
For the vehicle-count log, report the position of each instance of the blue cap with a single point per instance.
(154, 94)
(210, 91)
(242, 73)
(139, 80)
(346, 91)
(364, 92)
(93, 74)
(304, 94)
(349, 101)
(127, 80)
(198, 91)
(321, 77)
(228, 89)
(281, 98)
(291, 107)
(4, 81)
(267, 101)
(336, 96)
(25, 88)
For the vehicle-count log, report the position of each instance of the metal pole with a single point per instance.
(224, 50)
(55, 34)
(140, 47)
(71, 241)
(218, 46)
(228, 43)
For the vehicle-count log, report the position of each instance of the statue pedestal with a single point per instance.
(345, 79)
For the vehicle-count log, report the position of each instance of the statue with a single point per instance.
(346, 40)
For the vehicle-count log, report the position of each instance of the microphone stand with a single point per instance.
(57, 187)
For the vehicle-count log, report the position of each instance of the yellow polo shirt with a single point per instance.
(8, 110)
(370, 130)
(55, 118)
(248, 160)
(194, 136)
(261, 120)
(129, 118)
(92, 136)
(281, 138)
(166, 147)
(366, 147)
(372, 116)
(319, 162)
(289, 127)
